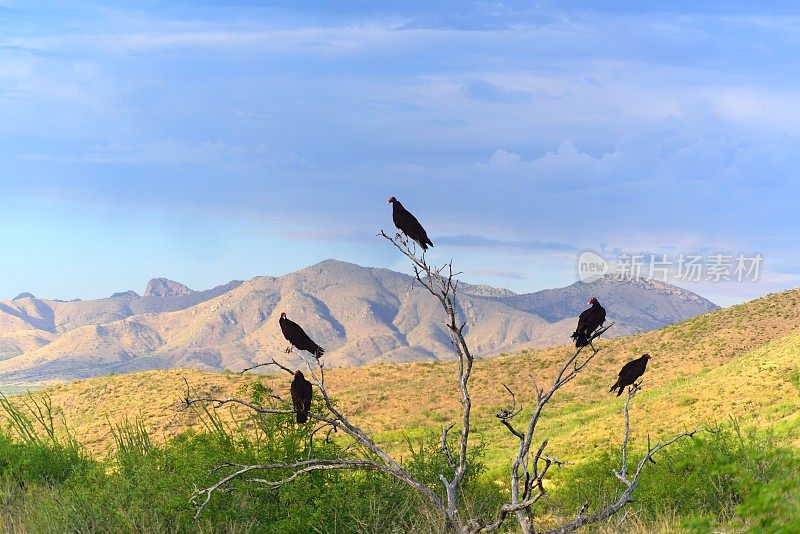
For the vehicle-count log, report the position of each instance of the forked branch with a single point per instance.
(441, 283)
(625, 497)
(529, 468)
(337, 421)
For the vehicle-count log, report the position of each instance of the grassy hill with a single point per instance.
(741, 362)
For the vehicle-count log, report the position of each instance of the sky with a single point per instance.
(210, 141)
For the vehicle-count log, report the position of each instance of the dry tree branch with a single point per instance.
(218, 402)
(506, 414)
(446, 448)
(524, 469)
(631, 484)
(526, 477)
(441, 283)
(336, 420)
(265, 364)
(526, 474)
(298, 468)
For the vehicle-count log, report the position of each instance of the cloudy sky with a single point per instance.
(207, 141)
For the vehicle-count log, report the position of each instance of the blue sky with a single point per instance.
(207, 141)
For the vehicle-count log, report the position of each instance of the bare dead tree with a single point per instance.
(442, 284)
(526, 480)
(630, 483)
(527, 471)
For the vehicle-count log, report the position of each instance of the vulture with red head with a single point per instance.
(590, 320)
(630, 373)
(295, 335)
(301, 396)
(408, 224)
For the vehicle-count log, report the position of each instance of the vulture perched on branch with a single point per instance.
(630, 373)
(408, 224)
(298, 338)
(301, 396)
(589, 321)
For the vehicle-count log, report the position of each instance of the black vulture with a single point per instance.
(301, 396)
(298, 338)
(408, 224)
(589, 321)
(630, 372)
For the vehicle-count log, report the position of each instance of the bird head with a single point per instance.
(593, 300)
(391, 200)
(298, 374)
(283, 315)
(646, 356)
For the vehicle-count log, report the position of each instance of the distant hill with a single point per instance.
(359, 314)
(27, 322)
(740, 362)
(636, 305)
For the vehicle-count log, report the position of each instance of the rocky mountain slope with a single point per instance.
(360, 315)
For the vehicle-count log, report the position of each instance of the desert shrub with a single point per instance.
(146, 487)
(711, 478)
(39, 462)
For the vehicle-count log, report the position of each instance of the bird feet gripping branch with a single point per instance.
(403, 239)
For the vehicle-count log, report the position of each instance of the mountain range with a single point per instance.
(359, 314)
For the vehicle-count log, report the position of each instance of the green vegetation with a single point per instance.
(722, 480)
(49, 484)
(727, 479)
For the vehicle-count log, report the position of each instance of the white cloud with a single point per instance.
(171, 152)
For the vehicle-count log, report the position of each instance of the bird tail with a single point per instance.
(302, 417)
(621, 389)
(615, 386)
(580, 339)
(319, 352)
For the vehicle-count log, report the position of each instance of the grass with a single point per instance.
(726, 481)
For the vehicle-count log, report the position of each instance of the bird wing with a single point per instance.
(297, 396)
(408, 224)
(295, 334)
(596, 317)
(301, 391)
(633, 370)
(627, 368)
(582, 318)
(308, 392)
(638, 369)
